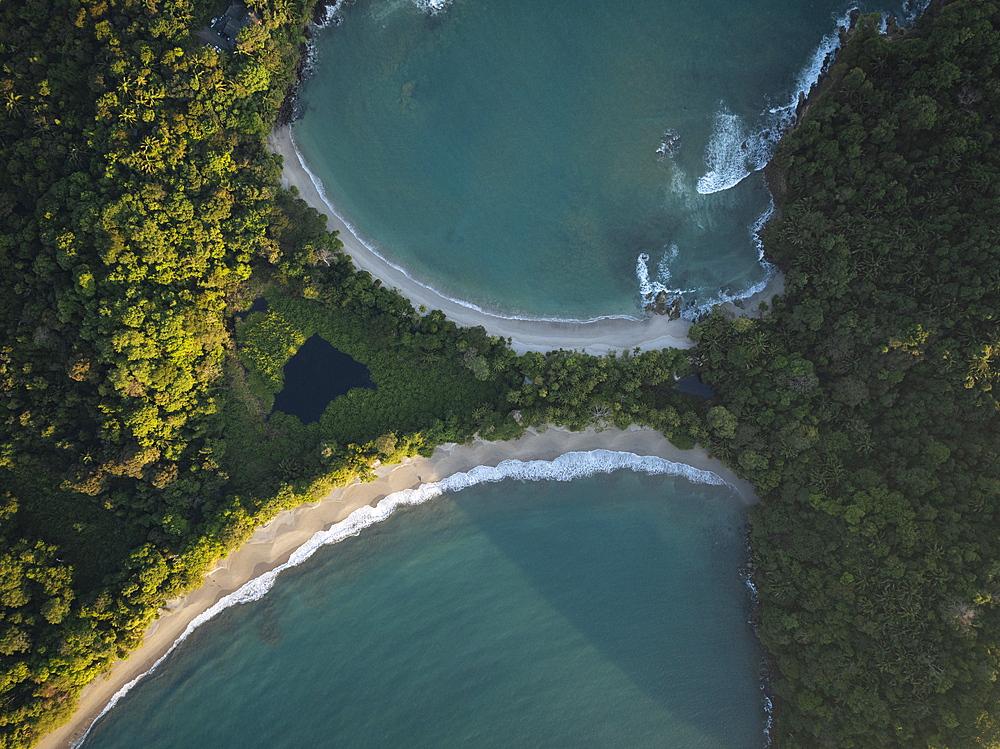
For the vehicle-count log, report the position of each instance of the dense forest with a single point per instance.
(142, 215)
(863, 408)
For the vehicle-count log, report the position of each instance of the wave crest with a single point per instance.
(734, 151)
(566, 467)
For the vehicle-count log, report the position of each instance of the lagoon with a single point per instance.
(317, 374)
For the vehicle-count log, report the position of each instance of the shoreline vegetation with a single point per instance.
(272, 544)
(596, 337)
(142, 446)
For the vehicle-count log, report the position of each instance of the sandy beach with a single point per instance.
(597, 337)
(272, 544)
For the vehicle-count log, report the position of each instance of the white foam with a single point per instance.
(917, 8)
(663, 269)
(433, 7)
(566, 467)
(317, 183)
(332, 14)
(650, 288)
(734, 151)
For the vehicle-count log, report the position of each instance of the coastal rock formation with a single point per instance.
(659, 305)
(669, 144)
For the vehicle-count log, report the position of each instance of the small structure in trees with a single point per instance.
(222, 31)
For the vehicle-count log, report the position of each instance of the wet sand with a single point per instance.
(272, 544)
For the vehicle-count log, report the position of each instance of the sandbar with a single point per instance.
(273, 543)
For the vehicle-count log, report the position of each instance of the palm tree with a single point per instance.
(13, 102)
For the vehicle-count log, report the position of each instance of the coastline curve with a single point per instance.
(294, 535)
(597, 336)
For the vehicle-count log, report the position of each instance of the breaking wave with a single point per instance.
(566, 467)
(736, 150)
(733, 153)
(433, 7)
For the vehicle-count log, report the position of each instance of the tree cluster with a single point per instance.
(863, 408)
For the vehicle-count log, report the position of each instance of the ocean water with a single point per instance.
(560, 159)
(604, 612)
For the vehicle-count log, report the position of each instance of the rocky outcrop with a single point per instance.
(660, 304)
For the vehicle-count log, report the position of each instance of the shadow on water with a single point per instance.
(316, 375)
(654, 590)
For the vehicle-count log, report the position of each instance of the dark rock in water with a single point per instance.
(675, 309)
(669, 145)
(659, 305)
(855, 14)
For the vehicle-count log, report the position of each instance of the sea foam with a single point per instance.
(735, 150)
(433, 6)
(566, 467)
(318, 184)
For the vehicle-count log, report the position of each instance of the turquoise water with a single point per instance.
(505, 153)
(603, 612)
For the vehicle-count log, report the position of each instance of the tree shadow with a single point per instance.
(666, 615)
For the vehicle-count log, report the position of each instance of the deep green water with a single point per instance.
(505, 153)
(605, 612)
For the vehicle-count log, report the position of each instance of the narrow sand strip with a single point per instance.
(597, 337)
(272, 544)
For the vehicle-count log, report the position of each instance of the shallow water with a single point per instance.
(608, 611)
(506, 153)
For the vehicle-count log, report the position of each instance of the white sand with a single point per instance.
(272, 544)
(597, 337)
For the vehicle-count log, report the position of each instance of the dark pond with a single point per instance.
(693, 386)
(316, 375)
(259, 305)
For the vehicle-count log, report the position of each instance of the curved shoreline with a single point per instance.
(597, 337)
(273, 544)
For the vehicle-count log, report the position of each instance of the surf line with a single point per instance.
(566, 467)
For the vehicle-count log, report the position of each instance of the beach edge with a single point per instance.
(597, 337)
(273, 544)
